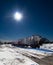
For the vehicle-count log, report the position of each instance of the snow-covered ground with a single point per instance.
(10, 55)
(47, 46)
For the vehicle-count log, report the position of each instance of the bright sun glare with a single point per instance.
(18, 16)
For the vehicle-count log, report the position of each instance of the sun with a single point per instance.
(18, 16)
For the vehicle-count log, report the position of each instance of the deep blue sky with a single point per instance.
(37, 19)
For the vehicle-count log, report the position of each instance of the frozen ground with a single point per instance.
(10, 55)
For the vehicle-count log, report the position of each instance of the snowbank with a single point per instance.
(47, 46)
